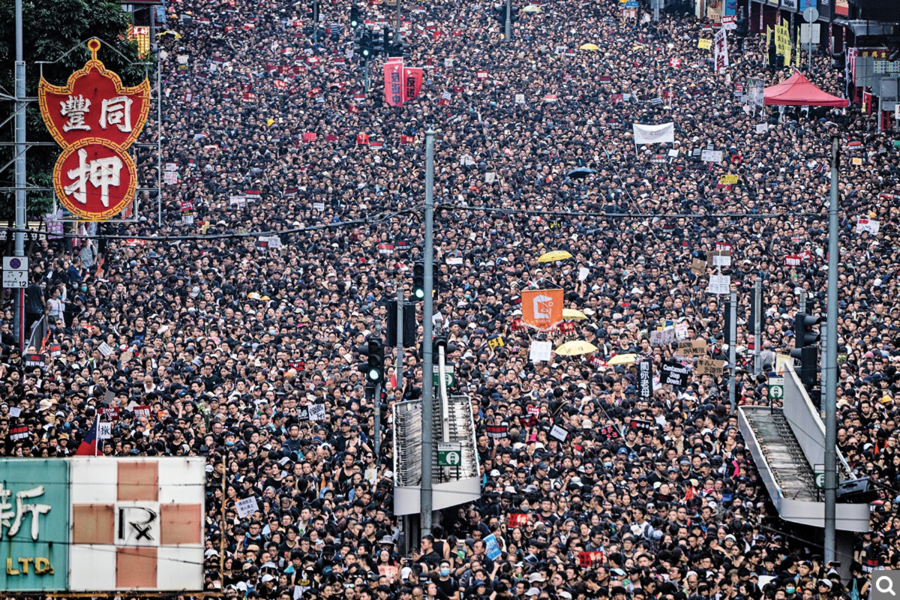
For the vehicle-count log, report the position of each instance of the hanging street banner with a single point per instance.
(393, 82)
(102, 525)
(95, 119)
(720, 44)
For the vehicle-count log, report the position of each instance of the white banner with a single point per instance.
(720, 44)
(654, 134)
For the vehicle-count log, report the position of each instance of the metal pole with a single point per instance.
(20, 169)
(656, 10)
(315, 20)
(802, 302)
(153, 44)
(810, 47)
(377, 404)
(757, 326)
(445, 398)
(397, 32)
(367, 75)
(831, 358)
(732, 351)
(398, 370)
(159, 125)
(508, 34)
(427, 309)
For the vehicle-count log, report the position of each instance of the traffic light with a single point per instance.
(809, 365)
(314, 6)
(355, 17)
(501, 13)
(419, 280)
(804, 334)
(439, 342)
(379, 41)
(366, 44)
(373, 368)
(390, 42)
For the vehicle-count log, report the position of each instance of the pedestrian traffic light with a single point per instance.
(419, 280)
(804, 334)
(355, 16)
(373, 368)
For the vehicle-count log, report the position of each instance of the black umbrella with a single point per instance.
(580, 173)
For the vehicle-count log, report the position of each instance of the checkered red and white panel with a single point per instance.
(137, 524)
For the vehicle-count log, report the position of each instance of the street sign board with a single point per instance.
(449, 375)
(449, 454)
(811, 14)
(15, 272)
(776, 388)
(819, 471)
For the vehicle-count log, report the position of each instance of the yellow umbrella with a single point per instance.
(622, 359)
(532, 8)
(554, 256)
(169, 32)
(576, 348)
(573, 315)
(591, 47)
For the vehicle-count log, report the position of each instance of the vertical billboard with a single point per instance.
(99, 524)
(34, 521)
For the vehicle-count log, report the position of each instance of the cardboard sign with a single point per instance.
(496, 342)
(540, 351)
(698, 267)
(709, 366)
(676, 374)
(246, 507)
(704, 44)
(692, 348)
(719, 258)
(105, 350)
(729, 179)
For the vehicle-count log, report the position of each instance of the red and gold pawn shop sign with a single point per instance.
(95, 119)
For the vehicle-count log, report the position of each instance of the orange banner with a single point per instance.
(542, 309)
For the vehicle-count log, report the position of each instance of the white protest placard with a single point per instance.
(246, 507)
(583, 273)
(104, 431)
(319, 206)
(15, 411)
(681, 331)
(662, 338)
(719, 284)
(317, 412)
(721, 259)
(520, 98)
(866, 225)
(713, 156)
(540, 351)
(105, 350)
(559, 433)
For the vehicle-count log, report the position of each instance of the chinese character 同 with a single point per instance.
(74, 109)
(102, 173)
(12, 519)
(117, 111)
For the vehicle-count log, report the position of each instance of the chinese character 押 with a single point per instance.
(102, 173)
(74, 110)
(12, 519)
(116, 111)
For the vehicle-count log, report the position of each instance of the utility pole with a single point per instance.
(831, 358)
(367, 74)
(315, 21)
(508, 35)
(398, 370)
(802, 302)
(732, 351)
(757, 325)
(377, 405)
(427, 368)
(397, 28)
(20, 170)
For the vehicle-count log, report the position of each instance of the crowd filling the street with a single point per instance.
(209, 343)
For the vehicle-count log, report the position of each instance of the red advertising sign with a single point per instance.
(95, 119)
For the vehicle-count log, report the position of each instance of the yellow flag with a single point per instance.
(768, 43)
(786, 32)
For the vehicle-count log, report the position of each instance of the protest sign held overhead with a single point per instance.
(654, 134)
(542, 309)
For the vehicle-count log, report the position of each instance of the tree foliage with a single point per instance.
(51, 28)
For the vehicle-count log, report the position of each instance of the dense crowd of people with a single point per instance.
(229, 343)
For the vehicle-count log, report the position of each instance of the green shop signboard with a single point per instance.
(34, 524)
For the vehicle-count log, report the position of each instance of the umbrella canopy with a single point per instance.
(532, 8)
(622, 359)
(797, 90)
(554, 256)
(591, 47)
(576, 348)
(580, 173)
(573, 315)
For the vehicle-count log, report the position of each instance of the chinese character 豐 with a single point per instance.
(74, 110)
(102, 173)
(116, 111)
(12, 519)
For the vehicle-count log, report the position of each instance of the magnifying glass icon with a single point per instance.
(885, 586)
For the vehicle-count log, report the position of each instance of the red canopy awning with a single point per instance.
(797, 90)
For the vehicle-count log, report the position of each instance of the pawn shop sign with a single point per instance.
(95, 119)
